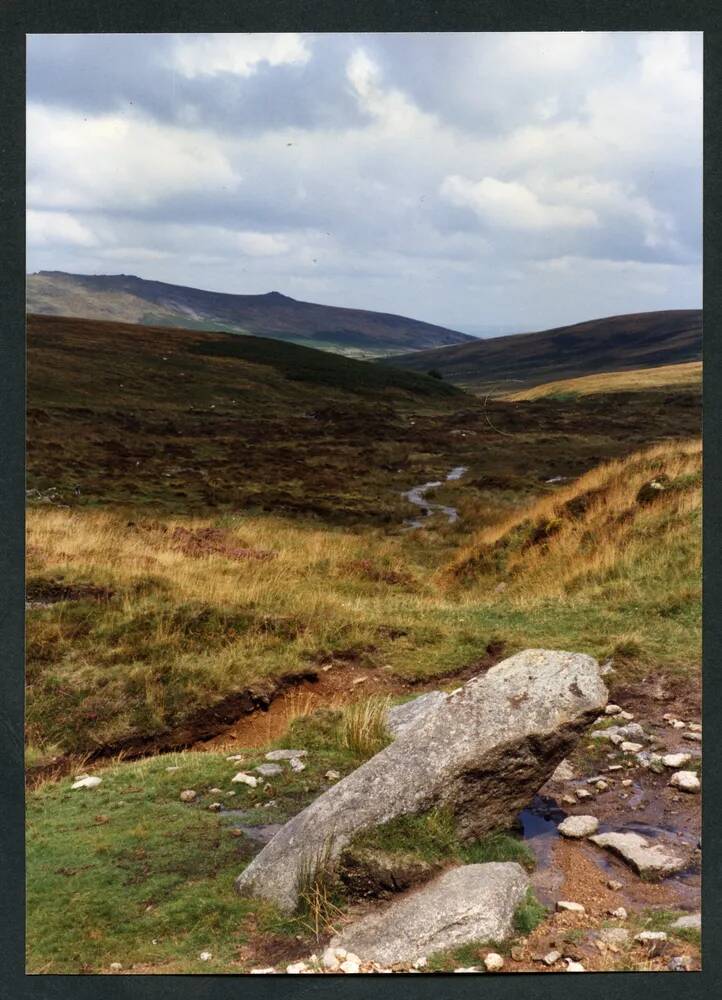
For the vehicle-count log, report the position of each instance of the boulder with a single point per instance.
(469, 903)
(578, 826)
(686, 780)
(401, 718)
(482, 754)
(650, 860)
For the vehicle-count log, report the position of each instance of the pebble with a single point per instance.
(246, 779)
(569, 907)
(582, 794)
(329, 959)
(574, 966)
(205, 956)
(689, 920)
(680, 963)
(686, 780)
(214, 807)
(646, 937)
(676, 760)
(612, 709)
(601, 785)
(87, 782)
(627, 782)
(578, 826)
(215, 791)
(350, 968)
(628, 747)
(551, 957)
(627, 716)
(295, 968)
(269, 971)
(188, 795)
(332, 775)
(296, 764)
(116, 966)
(614, 885)
(284, 754)
(620, 913)
(493, 962)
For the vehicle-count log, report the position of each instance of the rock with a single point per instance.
(691, 921)
(205, 956)
(614, 885)
(340, 953)
(464, 904)
(617, 936)
(612, 709)
(517, 953)
(695, 727)
(646, 937)
(647, 859)
(86, 782)
(174, 768)
(677, 724)
(601, 785)
(215, 807)
(471, 968)
(369, 873)
(695, 737)
(686, 780)
(606, 668)
(569, 800)
(188, 795)
(350, 968)
(297, 764)
(269, 971)
(551, 957)
(268, 770)
(402, 718)
(565, 906)
(563, 772)
(620, 913)
(329, 960)
(421, 963)
(629, 747)
(115, 966)
(582, 794)
(283, 754)
(235, 757)
(680, 963)
(296, 968)
(578, 826)
(676, 760)
(574, 966)
(215, 791)
(245, 779)
(332, 775)
(627, 782)
(493, 962)
(482, 754)
(627, 716)
(652, 490)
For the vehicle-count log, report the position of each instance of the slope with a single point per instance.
(131, 299)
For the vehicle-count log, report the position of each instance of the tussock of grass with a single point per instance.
(363, 726)
(529, 914)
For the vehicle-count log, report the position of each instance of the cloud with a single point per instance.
(241, 55)
(512, 205)
(427, 174)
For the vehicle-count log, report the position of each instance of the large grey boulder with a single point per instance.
(469, 903)
(401, 718)
(482, 754)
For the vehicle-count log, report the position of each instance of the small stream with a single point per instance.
(417, 496)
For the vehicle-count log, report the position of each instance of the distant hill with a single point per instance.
(615, 343)
(129, 299)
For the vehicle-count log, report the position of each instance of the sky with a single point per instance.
(485, 182)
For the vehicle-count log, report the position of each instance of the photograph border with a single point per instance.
(100, 16)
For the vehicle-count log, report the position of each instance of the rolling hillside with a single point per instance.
(615, 343)
(126, 298)
(662, 378)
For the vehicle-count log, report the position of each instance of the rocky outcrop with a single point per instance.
(402, 718)
(469, 903)
(482, 754)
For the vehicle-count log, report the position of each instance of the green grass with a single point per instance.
(529, 914)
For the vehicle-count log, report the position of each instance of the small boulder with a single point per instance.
(188, 795)
(493, 962)
(676, 760)
(687, 781)
(651, 860)
(566, 906)
(86, 782)
(245, 779)
(578, 826)
(269, 770)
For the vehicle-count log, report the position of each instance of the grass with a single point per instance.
(663, 377)
(363, 726)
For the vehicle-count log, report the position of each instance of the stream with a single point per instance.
(417, 496)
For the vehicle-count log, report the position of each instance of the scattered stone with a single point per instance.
(115, 966)
(269, 971)
(678, 724)
(296, 968)
(695, 737)
(691, 921)
(647, 859)
(601, 785)
(269, 770)
(297, 764)
(686, 780)
(616, 739)
(569, 800)
(88, 781)
(340, 953)
(627, 782)
(582, 794)
(551, 957)
(606, 668)
(349, 967)
(464, 904)
(646, 937)
(329, 960)
(563, 772)
(471, 968)
(421, 963)
(235, 757)
(578, 826)
(188, 795)
(215, 807)
(215, 791)
(680, 963)
(517, 953)
(493, 962)
(614, 885)
(628, 747)
(695, 727)
(620, 913)
(246, 779)
(205, 956)
(612, 709)
(565, 906)
(482, 754)
(615, 767)
(283, 754)
(402, 718)
(332, 775)
(676, 760)
(627, 716)
(617, 936)
(574, 966)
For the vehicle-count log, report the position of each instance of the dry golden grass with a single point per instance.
(664, 376)
(594, 530)
(363, 726)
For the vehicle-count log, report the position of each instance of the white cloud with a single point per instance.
(47, 228)
(117, 161)
(239, 54)
(510, 204)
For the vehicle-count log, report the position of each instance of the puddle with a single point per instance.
(539, 830)
(417, 496)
